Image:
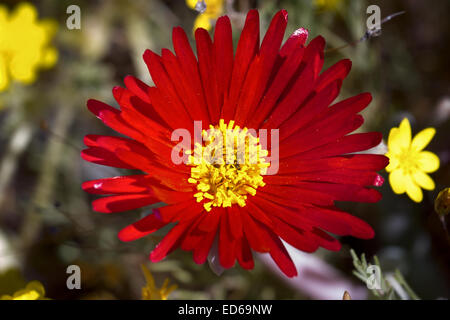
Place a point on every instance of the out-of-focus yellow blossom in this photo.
(327, 4)
(214, 8)
(24, 44)
(408, 163)
(151, 292)
(33, 291)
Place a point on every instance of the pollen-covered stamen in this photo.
(228, 166)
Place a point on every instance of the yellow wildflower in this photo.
(24, 44)
(327, 4)
(33, 291)
(409, 164)
(214, 8)
(151, 292)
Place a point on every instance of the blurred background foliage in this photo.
(46, 222)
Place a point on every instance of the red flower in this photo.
(267, 86)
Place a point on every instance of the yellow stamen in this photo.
(228, 167)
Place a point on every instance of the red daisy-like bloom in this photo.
(261, 86)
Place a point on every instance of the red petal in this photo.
(363, 162)
(208, 72)
(281, 257)
(337, 71)
(138, 87)
(118, 185)
(254, 233)
(169, 243)
(294, 237)
(194, 235)
(294, 95)
(122, 202)
(244, 254)
(261, 68)
(182, 212)
(247, 48)
(142, 116)
(165, 98)
(295, 40)
(111, 118)
(141, 228)
(201, 252)
(347, 144)
(318, 103)
(299, 222)
(104, 157)
(314, 54)
(285, 73)
(319, 135)
(227, 244)
(345, 176)
(293, 196)
(235, 221)
(188, 63)
(338, 222)
(209, 224)
(259, 214)
(342, 192)
(223, 54)
(326, 241)
(170, 196)
(283, 213)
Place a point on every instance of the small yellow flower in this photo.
(151, 292)
(33, 291)
(214, 8)
(24, 45)
(408, 163)
(327, 4)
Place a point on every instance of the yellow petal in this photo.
(169, 290)
(423, 138)
(50, 57)
(423, 180)
(203, 21)
(25, 12)
(3, 14)
(392, 139)
(393, 162)
(428, 161)
(33, 291)
(4, 78)
(191, 3)
(414, 192)
(214, 8)
(404, 134)
(36, 286)
(22, 67)
(148, 277)
(398, 181)
(50, 27)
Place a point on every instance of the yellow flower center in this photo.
(228, 166)
(408, 160)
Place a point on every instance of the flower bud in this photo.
(442, 202)
(346, 296)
